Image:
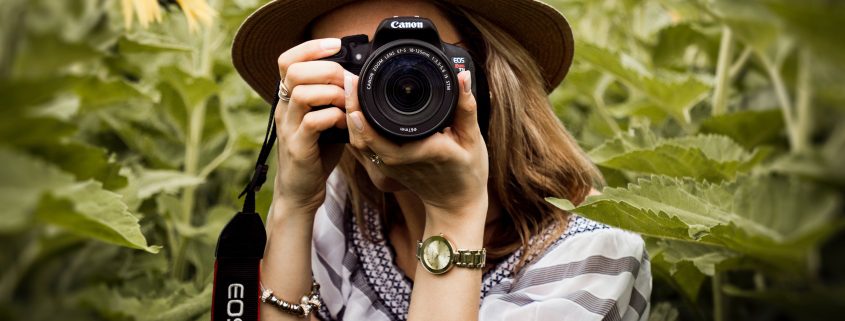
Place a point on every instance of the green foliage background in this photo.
(718, 125)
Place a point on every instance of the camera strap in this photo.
(240, 247)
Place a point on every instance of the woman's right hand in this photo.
(304, 165)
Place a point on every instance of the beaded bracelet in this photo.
(307, 303)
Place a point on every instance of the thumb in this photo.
(466, 115)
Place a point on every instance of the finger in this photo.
(314, 123)
(303, 98)
(314, 72)
(466, 115)
(361, 134)
(356, 125)
(306, 51)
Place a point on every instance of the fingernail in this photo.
(468, 83)
(347, 84)
(330, 44)
(357, 121)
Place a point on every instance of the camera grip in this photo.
(332, 135)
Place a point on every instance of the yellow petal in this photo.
(126, 5)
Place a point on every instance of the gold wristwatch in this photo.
(437, 255)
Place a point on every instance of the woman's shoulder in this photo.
(590, 272)
(585, 238)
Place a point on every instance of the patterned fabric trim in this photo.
(394, 288)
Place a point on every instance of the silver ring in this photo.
(284, 93)
(376, 159)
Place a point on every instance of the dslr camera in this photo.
(408, 87)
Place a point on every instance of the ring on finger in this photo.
(284, 93)
(375, 158)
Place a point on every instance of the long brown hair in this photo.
(532, 156)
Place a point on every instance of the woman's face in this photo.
(363, 18)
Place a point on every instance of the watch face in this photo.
(436, 254)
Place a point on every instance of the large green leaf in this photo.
(749, 128)
(89, 210)
(193, 89)
(676, 93)
(151, 182)
(708, 157)
(146, 42)
(706, 258)
(169, 301)
(674, 42)
(84, 162)
(23, 181)
(777, 219)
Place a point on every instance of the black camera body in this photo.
(408, 87)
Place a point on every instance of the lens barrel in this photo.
(407, 89)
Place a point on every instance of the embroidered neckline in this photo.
(393, 287)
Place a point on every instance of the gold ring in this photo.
(284, 93)
(376, 159)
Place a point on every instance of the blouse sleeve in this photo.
(327, 250)
(598, 275)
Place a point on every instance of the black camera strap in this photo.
(240, 247)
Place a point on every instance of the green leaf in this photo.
(750, 21)
(673, 43)
(84, 162)
(777, 219)
(151, 182)
(707, 157)
(675, 93)
(749, 128)
(96, 92)
(815, 23)
(663, 311)
(706, 258)
(23, 181)
(87, 209)
(171, 302)
(683, 276)
(146, 42)
(192, 89)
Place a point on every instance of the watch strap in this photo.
(471, 259)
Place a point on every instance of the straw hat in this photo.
(282, 24)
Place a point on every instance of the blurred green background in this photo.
(718, 125)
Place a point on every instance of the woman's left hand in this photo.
(448, 170)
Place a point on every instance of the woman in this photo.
(352, 215)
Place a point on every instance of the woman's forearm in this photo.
(454, 295)
(286, 268)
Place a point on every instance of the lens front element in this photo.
(407, 89)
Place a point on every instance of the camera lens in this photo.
(408, 91)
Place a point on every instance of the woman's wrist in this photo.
(463, 224)
(285, 212)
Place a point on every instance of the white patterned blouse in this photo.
(591, 272)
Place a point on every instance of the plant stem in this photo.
(14, 274)
(720, 93)
(803, 121)
(202, 67)
(740, 62)
(601, 107)
(718, 297)
(14, 19)
(783, 97)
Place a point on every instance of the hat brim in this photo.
(282, 24)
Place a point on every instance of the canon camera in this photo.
(408, 86)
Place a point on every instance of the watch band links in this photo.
(472, 259)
